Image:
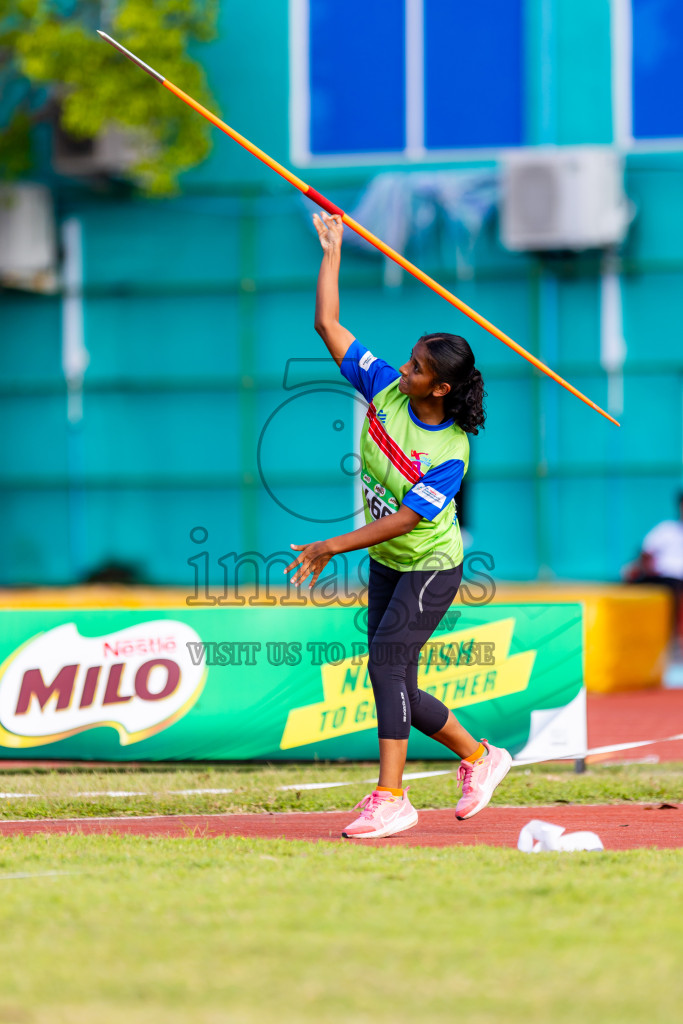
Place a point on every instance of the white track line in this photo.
(301, 786)
(38, 874)
(611, 748)
(366, 782)
(629, 746)
(426, 775)
(321, 785)
(120, 792)
(108, 818)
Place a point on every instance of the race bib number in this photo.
(378, 500)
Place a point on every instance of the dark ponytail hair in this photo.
(452, 361)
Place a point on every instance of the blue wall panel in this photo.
(654, 431)
(193, 307)
(655, 190)
(154, 436)
(171, 338)
(580, 534)
(284, 225)
(162, 243)
(657, 68)
(506, 444)
(575, 81)
(578, 314)
(298, 341)
(503, 303)
(33, 431)
(34, 525)
(651, 320)
(474, 78)
(30, 349)
(504, 526)
(582, 437)
(150, 529)
(357, 89)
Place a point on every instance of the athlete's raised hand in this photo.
(313, 559)
(330, 230)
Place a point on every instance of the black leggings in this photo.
(404, 609)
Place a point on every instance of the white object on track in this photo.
(542, 836)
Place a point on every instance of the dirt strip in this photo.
(620, 826)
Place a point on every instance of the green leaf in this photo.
(54, 46)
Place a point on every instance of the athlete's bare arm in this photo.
(314, 557)
(386, 528)
(330, 229)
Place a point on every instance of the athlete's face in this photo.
(417, 377)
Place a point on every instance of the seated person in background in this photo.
(661, 561)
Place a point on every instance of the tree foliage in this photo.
(51, 55)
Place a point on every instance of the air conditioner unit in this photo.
(113, 151)
(28, 242)
(569, 197)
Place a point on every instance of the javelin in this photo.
(332, 208)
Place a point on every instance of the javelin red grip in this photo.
(313, 194)
(332, 208)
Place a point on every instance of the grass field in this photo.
(80, 792)
(131, 930)
(139, 930)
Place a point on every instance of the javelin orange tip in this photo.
(332, 208)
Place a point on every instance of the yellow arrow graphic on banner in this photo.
(460, 668)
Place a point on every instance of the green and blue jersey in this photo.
(405, 461)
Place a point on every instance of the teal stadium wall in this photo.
(194, 305)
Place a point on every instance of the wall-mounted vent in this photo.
(112, 152)
(28, 245)
(563, 198)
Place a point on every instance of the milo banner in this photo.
(276, 683)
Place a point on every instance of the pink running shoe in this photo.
(382, 814)
(480, 779)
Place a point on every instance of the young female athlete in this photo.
(414, 452)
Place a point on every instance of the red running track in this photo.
(612, 719)
(620, 827)
(639, 715)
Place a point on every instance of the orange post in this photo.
(331, 207)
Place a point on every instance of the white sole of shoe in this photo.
(498, 776)
(389, 830)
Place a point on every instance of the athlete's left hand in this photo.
(313, 559)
